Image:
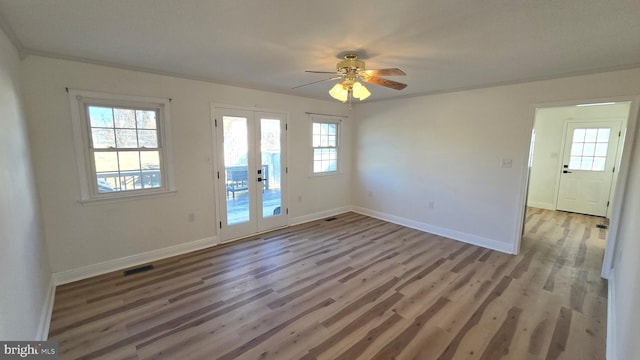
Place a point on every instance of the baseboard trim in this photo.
(438, 230)
(319, 215)
(46, 312)
(68, 276)
(612, 350)
(541, 205)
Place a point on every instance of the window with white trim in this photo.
(325, 142)
(122, 145)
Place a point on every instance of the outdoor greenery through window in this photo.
(325, 147)
(122, 145)
(125, 148)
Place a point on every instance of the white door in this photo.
(588, 163)
(251, 171)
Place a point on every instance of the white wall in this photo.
(24, 263)
(547, 156)
(84, 235)
(548, 152)
(447, 149)
(624, 284)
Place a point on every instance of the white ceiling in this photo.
(442, 45)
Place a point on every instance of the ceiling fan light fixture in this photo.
(339, 92)
(360, 91)
(352, 69)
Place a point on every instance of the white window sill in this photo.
(322, 174)
(127, 197)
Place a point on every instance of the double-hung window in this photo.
(122, 145)
(325, 142)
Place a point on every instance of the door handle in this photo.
(567, 171)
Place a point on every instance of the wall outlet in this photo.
(432, 204)
(506, 163)
(191, 217)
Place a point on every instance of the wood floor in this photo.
(351, 288)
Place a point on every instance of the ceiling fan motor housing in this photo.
(350, 64)
(350, 70)
(350, 67)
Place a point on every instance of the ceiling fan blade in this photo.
(320, 72)
(384, 72)
(319, 81)
(384, 82)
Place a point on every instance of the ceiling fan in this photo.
(349, 71)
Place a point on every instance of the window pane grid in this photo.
(325, 142)
(589, 149)
(125, 148)
(127, 170)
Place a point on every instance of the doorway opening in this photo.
(577, 153)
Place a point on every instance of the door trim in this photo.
(621, 182)
(621, 186)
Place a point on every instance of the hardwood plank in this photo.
(353, 288)
(365, 299)
(475, 319)
(501, 341)
(283, 300)
(377, 310)
(421, 274)
(400, 342)
(233, 354)
(560, 334)
(361, 346)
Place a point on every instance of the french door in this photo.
(251, 171)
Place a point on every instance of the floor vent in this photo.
(331, 218)
(602, 226)
(138, 270)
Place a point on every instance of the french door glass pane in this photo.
(236, 152)
(271, 169)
